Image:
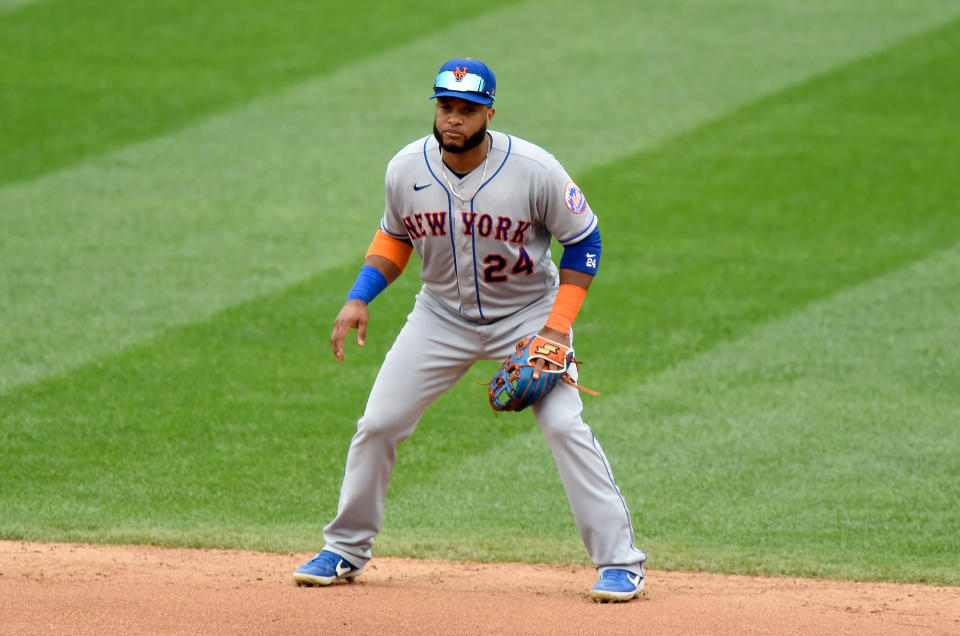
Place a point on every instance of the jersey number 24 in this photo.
(496, 264)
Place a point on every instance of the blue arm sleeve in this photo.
(583, 256)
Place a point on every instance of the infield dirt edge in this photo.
(97, 589)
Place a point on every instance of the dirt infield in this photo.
(82, 589)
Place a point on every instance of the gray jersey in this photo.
(486, 257)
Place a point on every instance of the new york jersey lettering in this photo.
(518, 233)
(484, 227)
(411, 228)
(503, 227)
(436, 221)
(468, 219)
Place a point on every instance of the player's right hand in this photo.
(353, 315)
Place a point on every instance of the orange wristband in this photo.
(566, 307)
(394, 250)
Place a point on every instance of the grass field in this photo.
(187, 191)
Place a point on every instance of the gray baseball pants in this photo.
(432, 353)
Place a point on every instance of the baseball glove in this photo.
(513, 388)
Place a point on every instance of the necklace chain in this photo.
(483, 177)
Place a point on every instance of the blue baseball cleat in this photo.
(617, 585)
(324, 569)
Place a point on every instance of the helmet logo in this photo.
(460, 73)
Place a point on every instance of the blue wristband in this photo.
(370, 282)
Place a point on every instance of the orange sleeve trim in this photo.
(566, 306)
(392, 249)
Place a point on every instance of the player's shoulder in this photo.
(526, 152)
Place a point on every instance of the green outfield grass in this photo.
(773, 330)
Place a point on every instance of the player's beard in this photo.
(471, 142)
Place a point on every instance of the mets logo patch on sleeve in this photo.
(574, 198)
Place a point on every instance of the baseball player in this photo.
(480, 207)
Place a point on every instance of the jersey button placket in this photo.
(465, 255)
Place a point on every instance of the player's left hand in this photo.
(556, 336)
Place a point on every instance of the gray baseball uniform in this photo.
(488, 281)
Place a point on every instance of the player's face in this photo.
(460, 125)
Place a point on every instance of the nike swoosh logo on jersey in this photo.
(635, 579)
(421, 187)
(342, 570)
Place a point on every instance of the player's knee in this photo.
(559, 413)
(384, 426)
(559, 426)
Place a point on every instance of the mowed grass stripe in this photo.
(167, 231)
(232, 431)
(83, 78)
